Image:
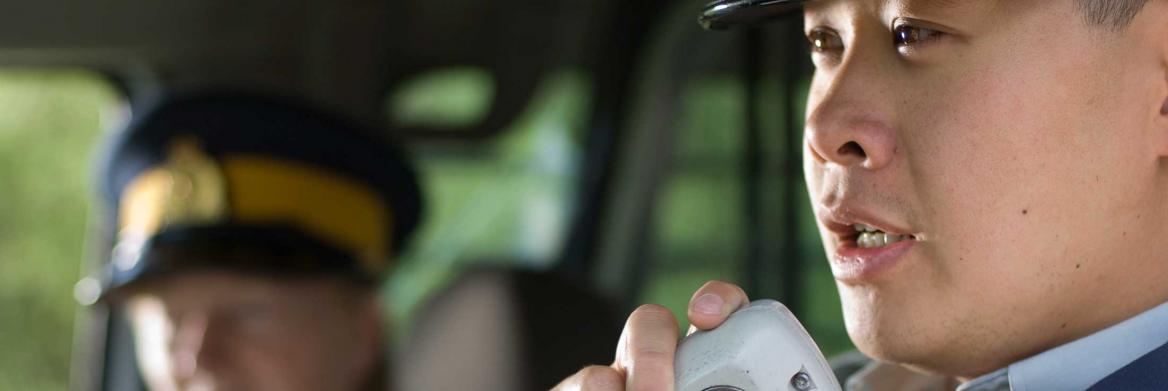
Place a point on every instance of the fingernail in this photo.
(709, 304)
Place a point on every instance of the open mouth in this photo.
(869, 237)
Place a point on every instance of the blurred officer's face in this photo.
(1018, 148)
(224, 331)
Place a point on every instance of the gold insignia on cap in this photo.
(188, 189)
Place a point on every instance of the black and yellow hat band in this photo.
(191, 189)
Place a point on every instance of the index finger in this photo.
(646, 349)
(713, 303)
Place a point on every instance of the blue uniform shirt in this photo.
(1079, 364)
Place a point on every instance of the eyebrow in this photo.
(944, 3)
(947, 5)
(988, 4)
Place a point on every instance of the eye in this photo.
(905, 35)
(825, 41)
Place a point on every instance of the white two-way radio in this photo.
(761, 347)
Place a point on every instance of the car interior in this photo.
(578, 158)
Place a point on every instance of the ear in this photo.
(1161, 121)
(1159, 11)
(1164, 108)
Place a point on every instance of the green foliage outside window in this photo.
(50, 122)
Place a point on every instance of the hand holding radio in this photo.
(751, 350)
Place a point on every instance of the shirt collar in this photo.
(1083, 362)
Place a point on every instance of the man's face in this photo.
(1015, 147)
(225, 331)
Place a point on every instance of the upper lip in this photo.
(842, 220)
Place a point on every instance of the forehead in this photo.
(967, 17)
(901, 6)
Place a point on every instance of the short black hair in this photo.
(1113, 14)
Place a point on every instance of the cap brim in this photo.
(264, 250)
(724, 14)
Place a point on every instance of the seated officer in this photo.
(252, 234)
(1008, 164)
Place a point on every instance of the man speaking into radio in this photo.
(991, 186)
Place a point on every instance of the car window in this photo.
(50, 121)
(505, 201)
(701, 230)
(712, 211)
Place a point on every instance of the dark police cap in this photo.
(254, 183)
(724, 14)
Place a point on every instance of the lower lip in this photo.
(852, 264)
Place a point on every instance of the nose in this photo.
(850, 118)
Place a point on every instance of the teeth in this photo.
(864, 228)
(877, 239)
(871, 237)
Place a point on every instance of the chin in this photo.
(914, 334)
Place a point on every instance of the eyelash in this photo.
(825, 41)
(906, 37)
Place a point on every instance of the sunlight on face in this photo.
(1010, 146)
(223, 331)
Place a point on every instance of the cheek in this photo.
(283, 360)
(318, 352)
(973, 161)
(1013, 165)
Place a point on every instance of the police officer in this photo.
(988, 178)
(251, 236)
